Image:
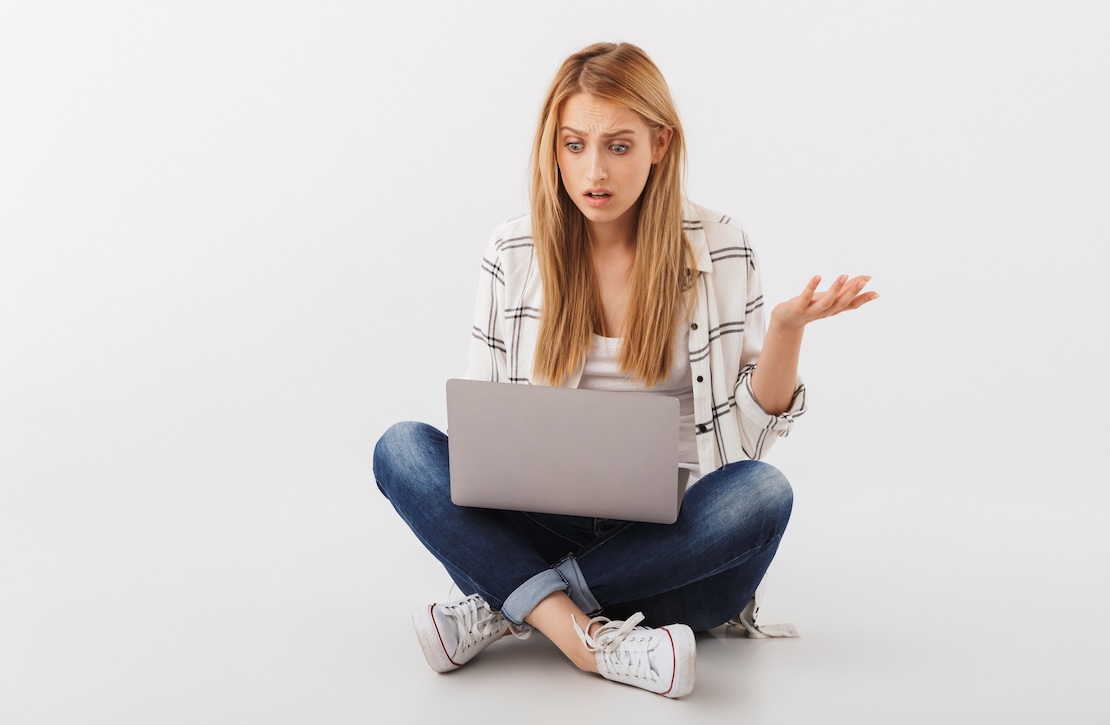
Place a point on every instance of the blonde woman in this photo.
(616, 282)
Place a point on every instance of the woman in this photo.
(615, 282)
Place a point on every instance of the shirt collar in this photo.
(694, 227)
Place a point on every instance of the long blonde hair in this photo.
(623, 74)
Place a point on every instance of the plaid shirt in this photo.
(726, 332)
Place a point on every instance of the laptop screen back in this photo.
(564, 451)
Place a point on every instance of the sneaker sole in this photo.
(427, 633)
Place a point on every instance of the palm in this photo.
(810, 305)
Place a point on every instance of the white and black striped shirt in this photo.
(726, 332)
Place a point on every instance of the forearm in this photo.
(776, 372)
(775, 377)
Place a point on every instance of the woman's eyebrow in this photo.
(609, 134)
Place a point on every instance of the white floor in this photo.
(293, 607)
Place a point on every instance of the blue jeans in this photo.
(700, 570)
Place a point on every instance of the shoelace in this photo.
(621, 645)
(476, 621)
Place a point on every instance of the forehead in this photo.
(584, 112)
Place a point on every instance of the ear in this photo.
(662, 142)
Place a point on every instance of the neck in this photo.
(615, 237)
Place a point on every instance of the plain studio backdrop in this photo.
(240, 239)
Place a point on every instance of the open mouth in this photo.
(597, 194)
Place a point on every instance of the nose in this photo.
(596, 171)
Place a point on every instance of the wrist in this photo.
(780, 326)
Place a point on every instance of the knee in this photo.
(757, 492)
(397, 439)
(771, 488)
(402, 450)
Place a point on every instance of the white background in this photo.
(239, 239)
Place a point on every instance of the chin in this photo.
(601, 216)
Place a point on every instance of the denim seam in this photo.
(736, 561)
(721, 569)
(550, 530)
(731, 563)
(598, 544)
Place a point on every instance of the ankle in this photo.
(582, 656)
(584, 660)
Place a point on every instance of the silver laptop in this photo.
(564, 451)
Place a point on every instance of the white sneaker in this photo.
(660, 660)
(454, 633)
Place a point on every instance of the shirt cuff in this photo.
(753, 412)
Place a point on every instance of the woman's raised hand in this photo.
(810, 305)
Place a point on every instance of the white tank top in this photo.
(601, 373)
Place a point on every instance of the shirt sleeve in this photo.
(759, 429)
(487, 359)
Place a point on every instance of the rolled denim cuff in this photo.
(524, 598)
(579, 593)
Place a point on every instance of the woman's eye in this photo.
(618, 148)
(574, 146)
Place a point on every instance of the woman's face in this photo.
(605, 152)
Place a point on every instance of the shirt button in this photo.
(694, 326)
(701, 429)
(700, 379)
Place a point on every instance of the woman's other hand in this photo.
(810, 305)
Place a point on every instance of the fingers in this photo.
(861, 300)
(853, 287)
(839, 290)
(846, 294)
(810, 290)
